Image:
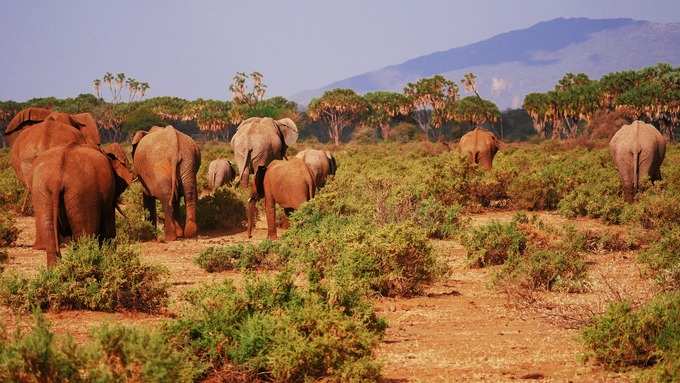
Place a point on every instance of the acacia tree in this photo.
(111, 114)
(338, 108)
(383, 107)
(430, 100)
(476, 111)
(244, 97)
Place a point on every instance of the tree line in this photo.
(651, 94)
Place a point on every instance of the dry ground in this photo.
(462, 330)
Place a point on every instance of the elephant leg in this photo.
(25, 204)
(270, 209)
(169, 225)
(108, 225)
(252, 212)
(285, 223)
(177, 220)
(46, 225)
(150, 207)
(190, 201)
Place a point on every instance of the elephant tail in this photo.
(636, 170)
(245, 172)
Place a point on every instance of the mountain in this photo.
(513, 64)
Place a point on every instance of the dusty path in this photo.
(463, 330)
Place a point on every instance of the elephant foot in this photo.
(179, 232)
(52, 259)
(190, 230)
(272, 236)
(169, 237)
(38, 245)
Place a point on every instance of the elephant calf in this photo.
(288, 183)
(480, 146)
(638, 150)
(321, 163)
(220, 172)
(75, 189)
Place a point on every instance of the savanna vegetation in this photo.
(303, 308)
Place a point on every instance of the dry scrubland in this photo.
(410, 265)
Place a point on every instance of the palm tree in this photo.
(96, 84)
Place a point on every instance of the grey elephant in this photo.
(480, 146)
(166, 162)
(220, 172)
(321, 163)
(638, 150)
(260, 140)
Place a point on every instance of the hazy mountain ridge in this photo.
(512, 64)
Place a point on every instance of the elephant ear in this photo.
(288, 129)
(124, 176)
(117, 151)
(135, 141)
(26, 117)
(259, 181)
(88, 126)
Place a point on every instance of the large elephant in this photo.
(480, 146)
(166, 162)
(321, 163)
(638, 150)
(35, 130)
(75, 192)
(220, 172)
(259, 141)
(289, 183)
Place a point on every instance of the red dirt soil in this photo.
(462, 330)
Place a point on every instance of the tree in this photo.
(383, 107)
(338, 108)
(476, 111)
(469, 82)
(430, 98)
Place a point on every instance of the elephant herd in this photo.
(75, 183)
(638, 150)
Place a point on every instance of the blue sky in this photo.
(192, 49)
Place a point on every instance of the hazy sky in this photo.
(192, 49)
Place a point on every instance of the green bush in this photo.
(438, 220)
(662, 259)
(265, 254)
(493, 243)
(12, 191)
(546, 269)
(8, 230)
(115, 354)
(278, 331)
(135, 225)
(105, 278)
(626, 336)
(224, 209)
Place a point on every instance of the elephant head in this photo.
(288, 130)
(120, 166)
(84, 122)
(333, 166)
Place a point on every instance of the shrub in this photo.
(8, 230)
(222, 210)
(438, 220)
(662, 259)
(626, 336)
(241, 256)
(658, 210)
(135, 225)
(106, 278)
(278, 331)
(549, 269)
(493, 243)
(12, 191)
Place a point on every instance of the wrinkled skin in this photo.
(75, 191)
(220, 172)
(259, 141)
(321, 163)
(287, 183)
(166, 162)
(638, 150)
(35, 130)
(480, 146)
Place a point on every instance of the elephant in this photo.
(35, 130)
(638, 150)
(166, 162)
(76, 188)
(289, 183)
(480, 146)
(321, 163)
(258, 141)
(220, 172)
